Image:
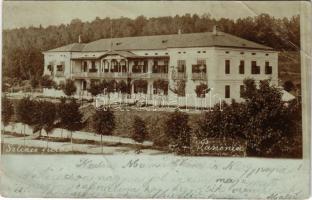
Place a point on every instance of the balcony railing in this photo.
(109, 75)
(179, 76)
(199, 76)
(140, 75)
(160, 68)
(159, 75)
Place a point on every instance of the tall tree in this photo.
(69, 88)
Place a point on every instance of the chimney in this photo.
(79, 39)
(215, 30)
(179, 32)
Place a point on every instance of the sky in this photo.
(18, 14)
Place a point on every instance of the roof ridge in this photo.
(149, 42)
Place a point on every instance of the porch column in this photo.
(150, 66)
(150, 89)
(132, 89)
(109, 65)
(98, 66)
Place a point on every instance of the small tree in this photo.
(49, 117)
(139, 130)
(44, 116)
(7, 111)
(111, 86)
(71, 118)
(69, 87)
(103, 122)
(95, 88)
(34, 82)
(161, 85)
(179, 88)
(61, 114)
(178, 131)
(201, 90)
(289, 86)
(47, 82)
(140, 86)
(122, 87)
(24, 111)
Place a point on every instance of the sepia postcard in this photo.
(156, 99)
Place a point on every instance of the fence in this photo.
(191, 101)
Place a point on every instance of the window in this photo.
(146, 54)
(227, 67)
(145, 65)
(50, 67)
(268, 68)
(179, 52)
(181, 66)
(114, 66)
(105, 66)
(93, 67)
(227, 52)
(227, 91)
(136, 69)
(254, 68)
(200, 67)
(242, 53)
(242, 67)
(241, 90)
(135, 63)
(122, 66)
(156, 53)
(60, 67)
(204, 51)
(267, 54)
(253, 53)
(84, 66)
(198, 51)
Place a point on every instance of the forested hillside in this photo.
(22, 47)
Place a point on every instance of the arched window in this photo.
(114, 66)
(123, 66)
(105, 67)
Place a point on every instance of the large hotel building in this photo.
(219, 60)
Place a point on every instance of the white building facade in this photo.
(219, 60)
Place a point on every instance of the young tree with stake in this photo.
(103, 122)
(71, 118)
(139, 130)
(24, 112)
